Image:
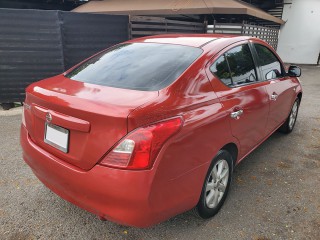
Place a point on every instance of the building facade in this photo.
(299, 40)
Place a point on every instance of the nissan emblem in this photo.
(48, 117)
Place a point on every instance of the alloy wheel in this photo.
(217, 183)
(293, 115)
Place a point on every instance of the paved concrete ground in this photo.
(275, 193)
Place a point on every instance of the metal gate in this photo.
(140, 26)
(268, 34)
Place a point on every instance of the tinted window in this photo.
(221, 70)
(270, 65)
(141, 66)
(241, 65)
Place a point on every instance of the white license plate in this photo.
(56, 136)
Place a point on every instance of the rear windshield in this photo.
(140, 66)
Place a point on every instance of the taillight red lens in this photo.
(139, 149)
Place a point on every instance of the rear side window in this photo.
(241, 65)
(269, 63)
(221, 70)
(235, 67)
(140, 66)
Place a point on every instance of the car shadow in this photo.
(186, 222)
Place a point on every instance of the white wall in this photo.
(299, 40)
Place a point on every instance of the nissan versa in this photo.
(153, 127)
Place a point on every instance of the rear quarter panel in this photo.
(183, 162)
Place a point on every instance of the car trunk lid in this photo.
(94, 116)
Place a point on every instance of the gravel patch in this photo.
(274, 195)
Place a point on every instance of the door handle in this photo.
(236, 114)
(274, 96)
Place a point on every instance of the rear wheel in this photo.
(7, 106)
(288, 125)
(216, 185)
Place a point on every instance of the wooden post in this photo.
(205, 24)
(129, 28)
(242, 28)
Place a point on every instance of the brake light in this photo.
(139, 149)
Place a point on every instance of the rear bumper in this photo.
(117, 195)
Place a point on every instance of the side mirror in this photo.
(294, 71)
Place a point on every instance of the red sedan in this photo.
(154, 127)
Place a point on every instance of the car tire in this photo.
(216, 185)
(7, 106)
(290, 122)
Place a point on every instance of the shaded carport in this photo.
(216, 16)
(178, 7)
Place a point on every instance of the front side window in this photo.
(269, 63)
(139, 66)
(241, 64)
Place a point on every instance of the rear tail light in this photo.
(139, 149)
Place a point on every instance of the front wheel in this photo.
(216, 185)
(288, 125)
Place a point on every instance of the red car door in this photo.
(234, 77)
(280, 88)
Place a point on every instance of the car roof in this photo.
(193, 40)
